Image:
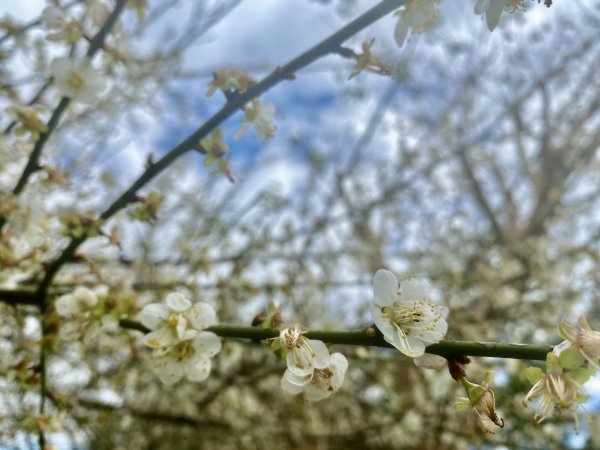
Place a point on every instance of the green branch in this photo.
(370, 337)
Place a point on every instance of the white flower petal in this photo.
(314, 394)
(429, 361)
(162, 337)
(199, 370)
(414, 289)
(381, 322)
(493, 13)
(400, 32)
(153, 315)
(385, 286)
(177, 302)
(202, 315)
(320, 353)
(298, 364)
(289, 387)
(169, 372)
(208, 343)
(295, 379)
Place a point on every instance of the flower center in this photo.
(404, 315)
(76, 80)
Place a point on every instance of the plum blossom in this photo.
(584, 342)
(303, 355)
(319, 384)
(406, 317)
(189, 358)
(417, 16)
(64, 29)
(78, 302)
(181, 346)
(260, 117)
(492, 10)
(76, 78)
(559, 389)
(53, 17)
(177, 321)
(481, 404)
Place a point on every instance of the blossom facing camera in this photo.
(182, 349)
(176, 321)
(560, 390)
(404, 314)
(76, 79)
(189, 359)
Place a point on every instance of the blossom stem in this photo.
(366, 337)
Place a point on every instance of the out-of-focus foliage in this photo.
(476, 166)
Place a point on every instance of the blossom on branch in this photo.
(481, 404)
(177, 321)
(559, 389)
(189, 358)
(76, 78)
(303, 355)
(182, 348)
(406, 317)
(584, 341)
(260, 117)
(319, 384)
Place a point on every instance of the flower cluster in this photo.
(86, 313)
(568, 367)
(404, 314)
(310, 367)
(181, 346)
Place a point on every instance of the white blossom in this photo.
(80, 301)
(559, 390)
(175, 322)
(182, 347)
(417, 16)
(53, 17)
(407, 318)
(98, 12)
(189, 359)
(303, 355)
(492, 10)
(319, 384)
(261, 117)
(76, 78)
(481, 406)
(583, 340)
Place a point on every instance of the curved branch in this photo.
(372, 338)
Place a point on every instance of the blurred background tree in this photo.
(474, 164)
